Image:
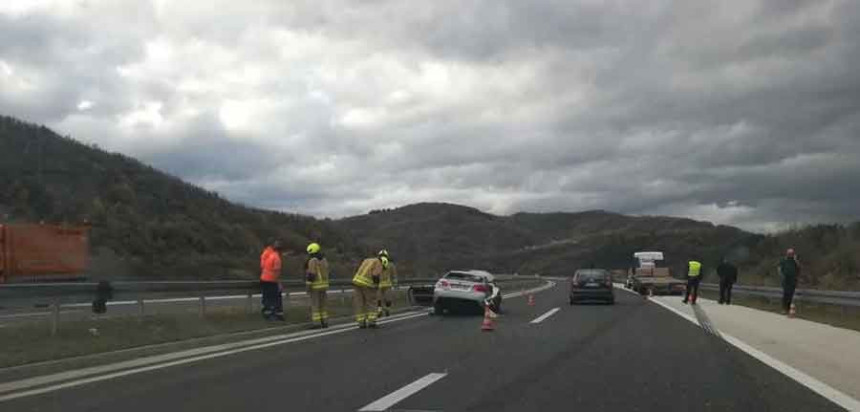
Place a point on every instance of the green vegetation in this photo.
(830, 255)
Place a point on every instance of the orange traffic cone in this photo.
(487, 325)
(792, 310)
(531, 300)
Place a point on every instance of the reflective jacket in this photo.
(388, 278)
(317, 269)
(695, 269)
(369, 268)
(270, 265)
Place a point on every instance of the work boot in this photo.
(372, 325)
(362, 325)
(387, 312)
(324, 324)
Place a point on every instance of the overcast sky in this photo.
(740, 112)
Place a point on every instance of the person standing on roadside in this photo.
(316, 279)
(270, 285)
(694, 276)
(728, 274)
(789, 271)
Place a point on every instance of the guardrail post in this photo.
(55, 317)
(202, 306)
(140, 310)
(343, 295)
(249, 304)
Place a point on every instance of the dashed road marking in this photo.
(546, 315)
(386, 402)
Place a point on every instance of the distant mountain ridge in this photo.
(438, 236)
(148, 224)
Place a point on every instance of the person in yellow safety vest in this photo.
(316, 279)
(387, 280)
(694, 276)
(364, 287)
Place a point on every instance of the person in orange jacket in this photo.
(270, 286)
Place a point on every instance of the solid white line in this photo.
(830, 393)
(834, 395)
(88, 371)
(677, 312)
(543, 317)
(387, 401)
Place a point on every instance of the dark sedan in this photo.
(591, 285)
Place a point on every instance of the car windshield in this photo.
(464, 276)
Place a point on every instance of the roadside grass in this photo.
(835, 315)
(31, 342)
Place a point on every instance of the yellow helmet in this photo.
(384, 261)
(313, 248)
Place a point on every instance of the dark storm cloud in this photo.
(741, 112)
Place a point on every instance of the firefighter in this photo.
(270, 286)
(387, 280)
(694, 276)
(316, 279)
(364, 288)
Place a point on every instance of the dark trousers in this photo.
(788, 294)
(273, 303)
(726, 291)
(692, 288)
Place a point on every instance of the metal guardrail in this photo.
(831, 297)
(43, 294)
(57, 295)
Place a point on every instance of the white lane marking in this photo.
(543, 317)
(548, 285)
(677, 312)
(821, 388)
(387, 401)
(89, 371)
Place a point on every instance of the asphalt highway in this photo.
(631, 356)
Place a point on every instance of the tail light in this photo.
(480, 288)
(444, 284)
(608, 282)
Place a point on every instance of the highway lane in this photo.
(631, 356)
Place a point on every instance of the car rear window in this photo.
(586, 276)
(464, 276)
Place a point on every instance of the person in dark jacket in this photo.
(789, 271)
(728, 274)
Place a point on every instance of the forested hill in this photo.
(437, 236)
(144, 222)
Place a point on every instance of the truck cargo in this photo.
(646, 277)
(42, 252)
